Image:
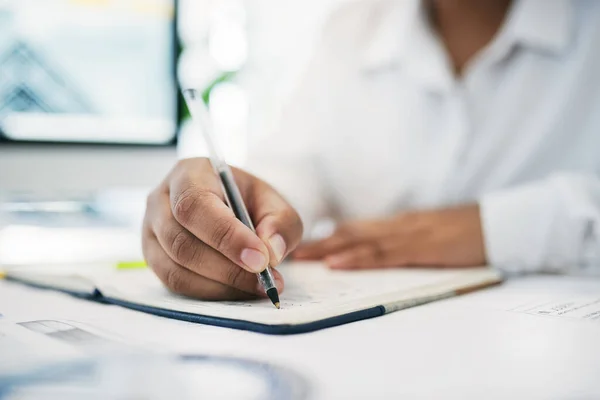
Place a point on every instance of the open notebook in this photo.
(315, 297)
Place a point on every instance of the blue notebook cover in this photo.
(284, 329)
(427, 286)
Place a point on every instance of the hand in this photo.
(443, 238)
(196, 245)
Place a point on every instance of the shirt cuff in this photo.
(516, 224)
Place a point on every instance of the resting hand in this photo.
(447, 238)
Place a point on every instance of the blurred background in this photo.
(250, 55)
(88, 88)
(91, 117)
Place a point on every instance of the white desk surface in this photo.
(481, 345)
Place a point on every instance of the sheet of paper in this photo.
(583, 308)
(24, 348)
(568, 298)
(312, 293)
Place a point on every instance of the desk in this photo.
(466, 347)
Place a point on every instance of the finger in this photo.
(386, 253)
(183, 281)
(188, 251)
(199, 207)
(347, 235)
(335, 243)
(278, 224)
(363, 256)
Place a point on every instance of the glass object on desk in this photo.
(66, 360)
(154, 377)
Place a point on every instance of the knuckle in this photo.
(222, 233)
(181, 165)
(188, 168)
(236, 276)
(184, 204)
(182, 247)
(173, 279)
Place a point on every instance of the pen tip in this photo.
(274, 297)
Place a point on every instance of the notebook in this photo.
(315, 297)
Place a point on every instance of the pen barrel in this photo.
(234, 200)
(231, 191)
(266, 279)
(233, 197)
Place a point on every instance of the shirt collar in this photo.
(401, 31)
(387, 44)
(542, 24)
(404, 39)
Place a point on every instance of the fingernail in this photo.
(278, 246)
(254, 260)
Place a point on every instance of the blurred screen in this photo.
(87, 71)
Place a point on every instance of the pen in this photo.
(231, 191)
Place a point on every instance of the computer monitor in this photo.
(88, 93)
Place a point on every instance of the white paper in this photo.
(312, 292)
(577, 307)
(23, 349)
(564, 297)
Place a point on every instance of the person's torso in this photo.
(402, 139)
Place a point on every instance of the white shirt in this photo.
(380, 125)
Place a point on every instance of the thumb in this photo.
(277, 223)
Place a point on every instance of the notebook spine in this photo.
(403, 304)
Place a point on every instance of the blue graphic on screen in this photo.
(87, 70)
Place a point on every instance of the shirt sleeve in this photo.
(552, 225)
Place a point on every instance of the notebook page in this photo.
(74, 278)
(312, 292)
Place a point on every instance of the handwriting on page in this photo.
(303, 292)
(580, 308)
(312, 292)
(308, 287)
